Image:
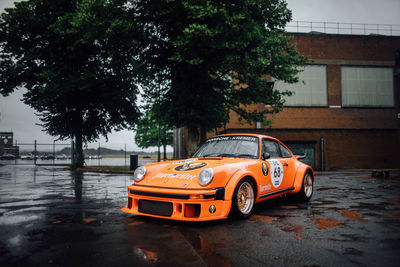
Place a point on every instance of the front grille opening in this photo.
(192, 210)
(155, 207)
(129, 202)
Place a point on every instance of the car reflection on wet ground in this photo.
(53, 217)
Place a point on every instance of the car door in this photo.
(288, 163)
(281, 165)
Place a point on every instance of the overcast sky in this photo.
(19, 118)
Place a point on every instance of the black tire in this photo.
(307, 188)
(243, 199)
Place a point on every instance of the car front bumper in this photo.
(178, 204)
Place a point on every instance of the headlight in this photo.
(206, 176)
(139, 173)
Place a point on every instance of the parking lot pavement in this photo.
(53, 217)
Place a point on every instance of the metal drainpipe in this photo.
(322, 153)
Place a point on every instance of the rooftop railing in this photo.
(343, 28)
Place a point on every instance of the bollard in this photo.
(134, 162)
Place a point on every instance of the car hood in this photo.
(183, 174)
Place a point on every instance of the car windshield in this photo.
(240, 146)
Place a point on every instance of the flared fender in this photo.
(234, 180)
(298, 179)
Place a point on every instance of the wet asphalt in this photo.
(53, 217)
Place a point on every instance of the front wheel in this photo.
(307, 188)
(243, 199)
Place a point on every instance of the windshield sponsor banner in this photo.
(233, 137)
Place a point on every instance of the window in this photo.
(367, 87)
(272, 148)
(311, 90)
(285, 152)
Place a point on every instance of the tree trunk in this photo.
(192, 140)
(165, 151)
(203, 135)
(79, 160)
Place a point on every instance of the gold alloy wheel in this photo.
(245, 198)
(308, 185)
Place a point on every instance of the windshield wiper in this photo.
(245, 156)
(229, 155)
(210, 155)
(218, 155)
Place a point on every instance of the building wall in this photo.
(354, 137)
(343, 148)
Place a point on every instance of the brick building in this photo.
(347, 114)
(6, 144)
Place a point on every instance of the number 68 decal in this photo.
(276, 172)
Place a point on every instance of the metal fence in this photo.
(343, 28)
(59, 154)
(56, 154)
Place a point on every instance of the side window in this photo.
(272, 148)
(285, 152)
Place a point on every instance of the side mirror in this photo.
(265, 155)
(301, 156)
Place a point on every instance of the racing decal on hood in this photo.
(184, 176)
(183, 161)
(190, 166)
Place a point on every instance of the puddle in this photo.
(15, 241)
(297, 229)
(266, 219)
(16, 219)
(325, 223)
(147, 255)
(289, 207)
(324, 202)
(208, 251)
(265, 233)
(353, 251)
(134, 223)
(293, 229)
(326, 188)
(89, 220)
(394, 201)
(354, 215)
(354, 238)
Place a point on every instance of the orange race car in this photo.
(227, 175)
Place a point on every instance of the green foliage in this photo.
(77, 60)
(152, 131)
(216, 55)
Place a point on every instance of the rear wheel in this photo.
(243, 199)
(307, 188)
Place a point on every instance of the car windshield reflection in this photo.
(238, 146)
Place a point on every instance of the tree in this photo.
(152, 131)
(218, 56)
(78, 61)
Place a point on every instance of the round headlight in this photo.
(139, 173)
(206, 176)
